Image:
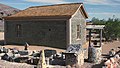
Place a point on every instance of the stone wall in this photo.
(75, 60)
(81, 58)
(41, 32)
(71, 59)
(78, 19)
(74, 56)
(94, 54)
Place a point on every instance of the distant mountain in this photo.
(6, 11)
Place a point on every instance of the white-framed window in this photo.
(78, 32)
(18, 30)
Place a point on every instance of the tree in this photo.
(112, 28)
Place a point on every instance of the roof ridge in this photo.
(55, 5)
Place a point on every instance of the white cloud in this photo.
(16, 3)
(102, 2)
(48, 1)
(104, 15)
(95, 1)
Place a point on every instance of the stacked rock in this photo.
(113, 62)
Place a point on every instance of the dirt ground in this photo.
(34, 47)
(110, 45)
(106, 47)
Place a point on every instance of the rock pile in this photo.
(113, 62)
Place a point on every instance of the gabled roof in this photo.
(51, 10)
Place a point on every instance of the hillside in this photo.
(6, 11)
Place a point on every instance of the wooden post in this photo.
(89, 37)
(100, 37)
(89, 48)
(43, 60)
(42, 63)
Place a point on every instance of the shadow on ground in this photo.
(105, 56)
(98, 65)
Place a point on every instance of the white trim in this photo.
(78, 39)
(76, 11)
(70, 35)
(70, 28)
(4, 31)
(80, 27)
(80, 11)
(67, 34)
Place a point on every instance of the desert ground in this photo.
(110, 45)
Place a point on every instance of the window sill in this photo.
(78, 39)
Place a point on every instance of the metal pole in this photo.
(100, 37)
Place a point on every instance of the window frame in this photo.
(18, 30)
(78, 33)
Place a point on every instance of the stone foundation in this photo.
(94, 54)
(75, 60)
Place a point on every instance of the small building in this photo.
(53, 25)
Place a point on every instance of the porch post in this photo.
(89, 37)
(100, 37)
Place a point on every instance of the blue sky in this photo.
(102, 9)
